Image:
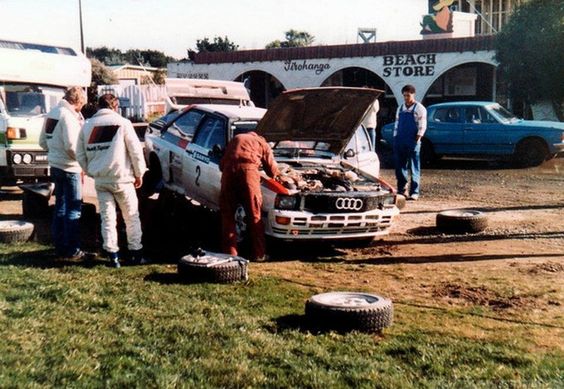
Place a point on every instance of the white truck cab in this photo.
(33, 78)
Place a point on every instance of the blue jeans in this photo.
(406, 158)
(66, 218)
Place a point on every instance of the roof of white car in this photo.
(234, 111)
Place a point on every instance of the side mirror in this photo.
(350, 153)
(216, 151)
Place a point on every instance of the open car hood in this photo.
(329, 115)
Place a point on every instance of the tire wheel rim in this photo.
(240, 223)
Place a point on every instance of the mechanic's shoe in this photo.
(114, 258)
(414, 197)
(264, 258)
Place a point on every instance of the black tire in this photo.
(530, 152)
(462, 221)
(226, 272)
(152, 178)
(348, 311)
(15, 231)
(428, 156)
(35, 206)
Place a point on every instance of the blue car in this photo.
(476, 128)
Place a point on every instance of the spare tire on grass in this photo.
(462, 221)
(348, 311)
(15, 231)
(212, 267)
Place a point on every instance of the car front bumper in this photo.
(302, 225)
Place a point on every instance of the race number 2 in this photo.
(198, 172)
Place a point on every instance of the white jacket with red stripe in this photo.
(60, 135)
(109, 150)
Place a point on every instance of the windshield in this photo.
(501, 113)
(28, 99)
(304, 149)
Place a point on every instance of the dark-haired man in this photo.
(110, 152)
(411, 123)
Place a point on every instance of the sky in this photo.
(173, 26)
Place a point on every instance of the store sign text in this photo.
(409, 65)
(293, 66)
(203, 76)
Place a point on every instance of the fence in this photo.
(137, 102)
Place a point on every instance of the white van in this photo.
(33, 78)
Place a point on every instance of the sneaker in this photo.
(78, 254)
(414, 197)
(114, 258)
(137, 258)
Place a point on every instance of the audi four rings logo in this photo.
(349, 203)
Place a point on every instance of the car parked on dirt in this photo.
(474, 128)
(330, 189)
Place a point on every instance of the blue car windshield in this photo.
(502, 114)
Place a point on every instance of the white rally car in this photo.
(330, 188)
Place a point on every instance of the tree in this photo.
(294, 38)
(152, 58)
(530, 52)
(101, 75)
(218, 44)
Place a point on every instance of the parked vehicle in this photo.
(473, 128)
(331, 187)
(33, 79)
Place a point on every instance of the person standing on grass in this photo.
(110, 152)
(411, 123)
(59, 137)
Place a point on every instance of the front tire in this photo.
(530, 152)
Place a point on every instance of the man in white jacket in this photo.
(110, 152)
(59, 137)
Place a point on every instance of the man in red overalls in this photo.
(240, 185)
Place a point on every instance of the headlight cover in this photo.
(286, 202)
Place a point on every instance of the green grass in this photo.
(68, 325)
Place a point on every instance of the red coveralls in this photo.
(240, 184)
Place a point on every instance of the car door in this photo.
(483, 134)
(364, 157)
(177, 136)
(445, 130)
(202, 178)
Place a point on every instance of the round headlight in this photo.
(285, 202)
(27, 158)
(17, 159)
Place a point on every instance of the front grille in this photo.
(342, 202)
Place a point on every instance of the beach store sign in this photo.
(409, 65)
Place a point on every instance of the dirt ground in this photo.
(514, 267)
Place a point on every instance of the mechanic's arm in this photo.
(421, 112)
(268, 162)
(81, 152)
(71, 129)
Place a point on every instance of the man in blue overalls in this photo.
(411, 123)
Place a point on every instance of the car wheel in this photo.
(462, 221)
(241, 224)
(213, 267)
(152, 178)
(428, 156)
(15, 231)
(530, 152)
(348, 311)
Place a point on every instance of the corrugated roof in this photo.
(478, 43)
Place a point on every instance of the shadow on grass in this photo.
(47, 259)
(174, 279)
(304, 324)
